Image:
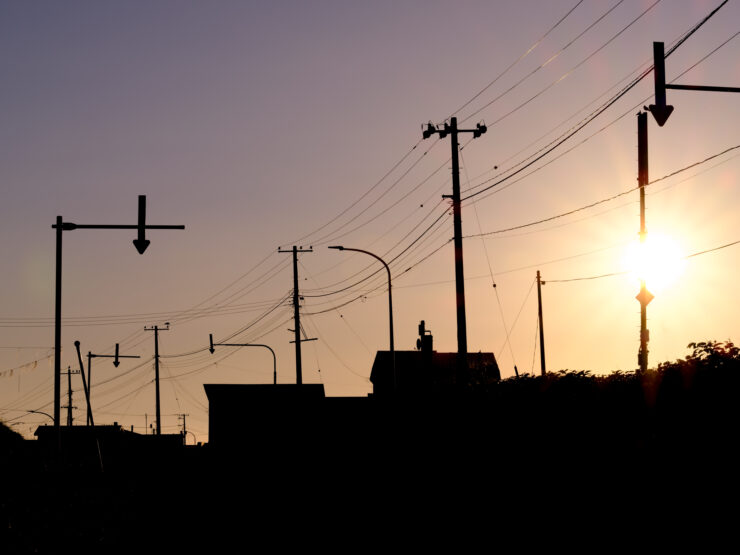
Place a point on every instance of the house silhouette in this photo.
(425, 372)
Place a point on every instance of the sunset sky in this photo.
(263, 125)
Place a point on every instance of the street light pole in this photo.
(274, 359)
(390, 303)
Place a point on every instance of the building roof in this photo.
(427, 372)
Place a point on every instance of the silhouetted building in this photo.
(243, 413)
(426, 372)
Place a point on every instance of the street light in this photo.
(274, 359)
(390, 303)
(40, 412)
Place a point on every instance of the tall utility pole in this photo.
(296, 312)
(452, 130)
(644, 296)
(156, 330)
(543, 370)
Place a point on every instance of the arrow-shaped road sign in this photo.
(141, 242)
(660, 110)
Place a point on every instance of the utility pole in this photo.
(644, 296)
(543, 370)
(452, 130)
(69, 406)
(156, 330)
(184, 428)
(296, 312)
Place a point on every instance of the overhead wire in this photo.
(519, 59)
(488, 261)
(544, 64)
(570, 71)
(612, 274)
(513, 325)
(563, 138)
(603, 200)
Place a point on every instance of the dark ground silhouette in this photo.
(653, 449)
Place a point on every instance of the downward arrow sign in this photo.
(660, 110)
(115, 360)
(141, 243)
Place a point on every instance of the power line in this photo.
(612, 274)
(519, 59)
(604, 200)
(563, 138)
(553, 58)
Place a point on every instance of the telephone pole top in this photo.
(452, 130)
(156, 330)
(296, 312)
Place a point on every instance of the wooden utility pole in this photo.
(296, 312)
(156, 330)
(452, 130)
(543, 370)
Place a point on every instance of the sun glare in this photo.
(659, 261)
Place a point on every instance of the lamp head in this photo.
(337, 247)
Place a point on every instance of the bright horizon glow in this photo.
(261, 125)
(659, 261)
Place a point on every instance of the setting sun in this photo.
(658, 261)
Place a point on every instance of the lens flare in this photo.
(658, 261)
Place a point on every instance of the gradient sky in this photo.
(260, 125)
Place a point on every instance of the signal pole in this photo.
(296, 312)
(543, 371)
(452, 130)
(156, 330)
(91, 356)
(644, 296)
(141, 244)
(661, 110)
